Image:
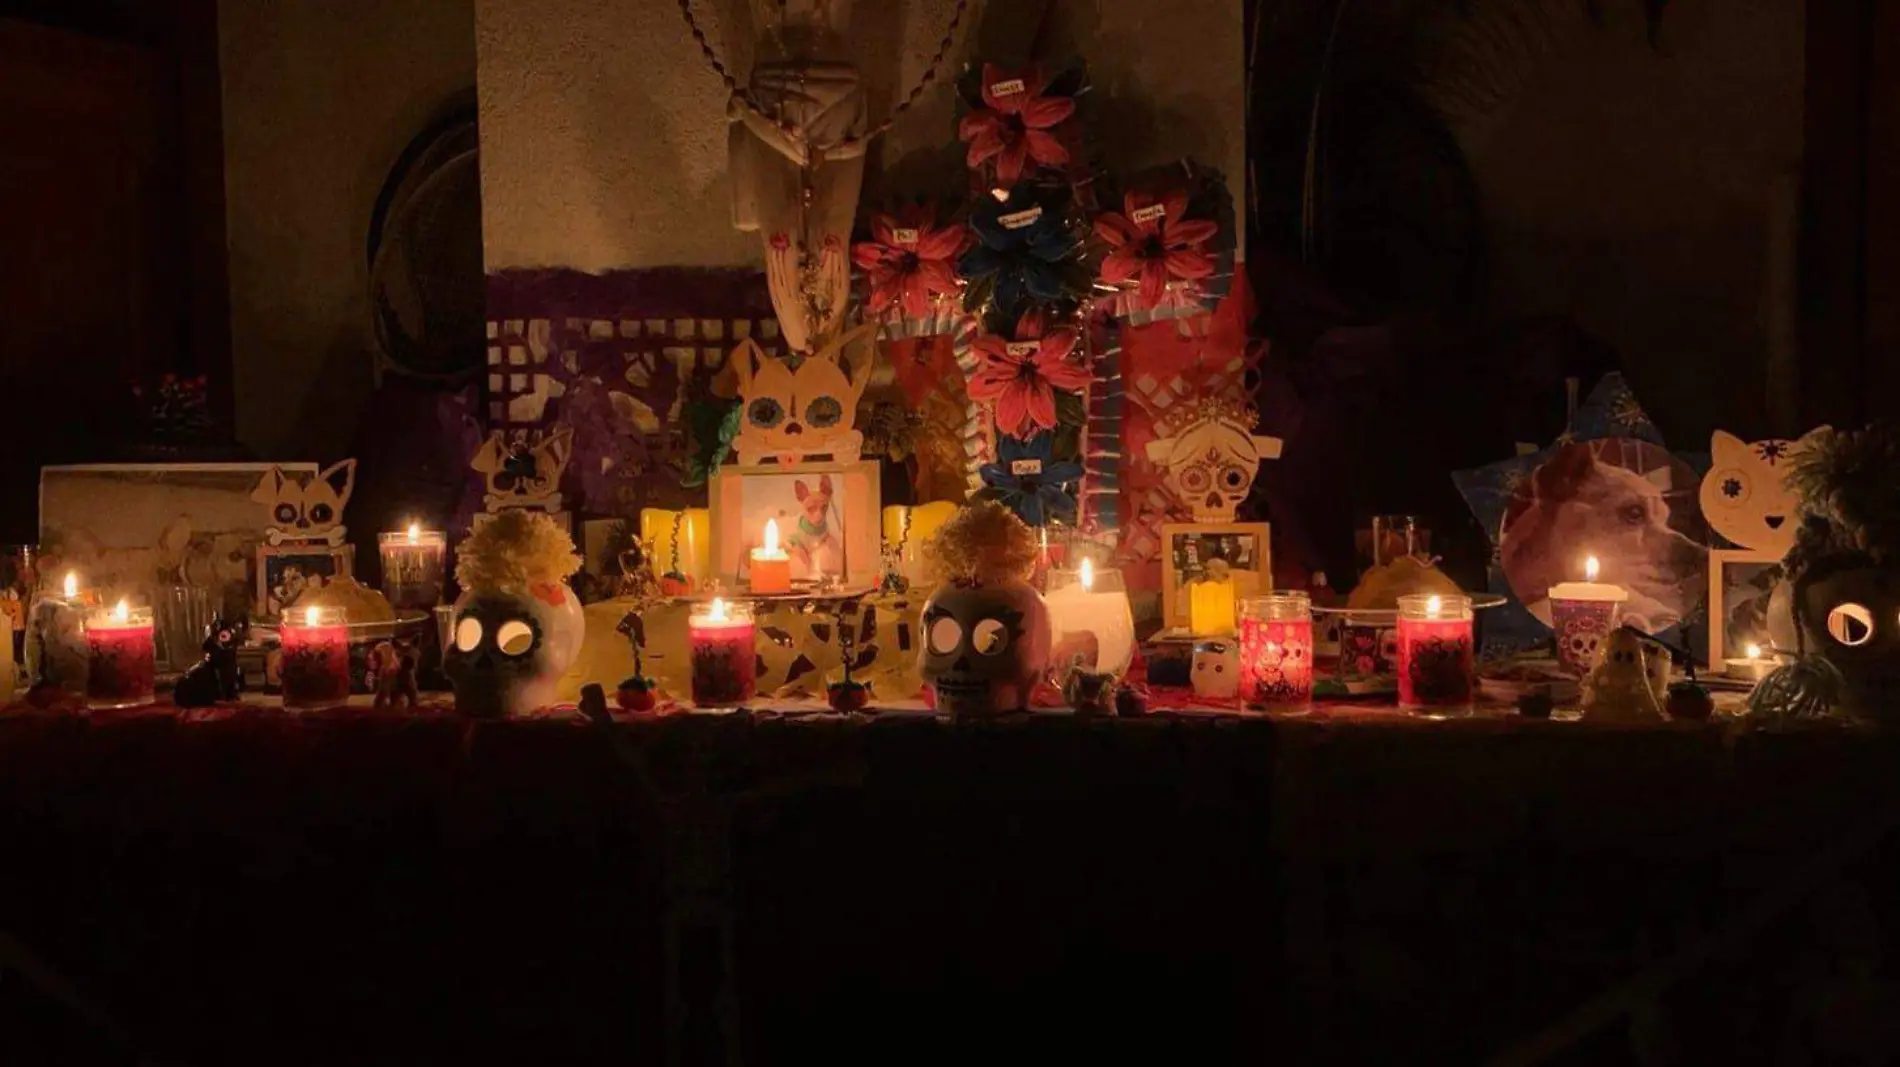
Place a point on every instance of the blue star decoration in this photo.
(1027, 479)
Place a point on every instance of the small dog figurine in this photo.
(394, 666)
(217, 677)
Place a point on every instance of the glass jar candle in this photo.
(725, 665)
(316, 664)
(1089, 609)
(56, 652)
(1276, 653)
(1435, 654)
(412, 566)
(121, 658)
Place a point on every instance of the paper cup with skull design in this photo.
(1581, 623)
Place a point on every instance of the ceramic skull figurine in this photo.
(1215, 674)
(1211, 456)
(985, 646)
(507, 651)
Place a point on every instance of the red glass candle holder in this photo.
(1436, 652)
(725, 665)
(316, 664)
(121, 658)
(1276, 653)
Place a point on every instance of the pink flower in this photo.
(1014, 126)
(911, 261)
(1020, 377)
(1163, 246)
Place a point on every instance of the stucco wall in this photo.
(603, 130)
(319, 100)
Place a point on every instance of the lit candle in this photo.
(1085, 602)
(725, 664)
(1211, 607)
(56, 650)
(771, 567)
(1583, 614)
(121, 658)
(316, 664)
(1276, 652)
(1435, 654)
(412, 566)
(679, 544)
(1752, 667)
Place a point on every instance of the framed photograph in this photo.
(286, 572)
(1189, 550)
(827, 516)
(1740, 582)
(136, 527)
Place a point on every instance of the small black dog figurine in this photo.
(217, 677)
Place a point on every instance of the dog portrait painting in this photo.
(826, 515)
(1628, 503)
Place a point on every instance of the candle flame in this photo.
(310, 616)
(415, 532)
(1088, 574)
(72, 584)
(1433, 605)
(1753, 650)
(122, 613)
(771, 537)
(718, 612)
(1590, 569)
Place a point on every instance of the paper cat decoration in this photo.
(524, 471)
(808, 410)
(1211, 455)
(306, 511)
(1745, 496)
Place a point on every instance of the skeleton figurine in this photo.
(797, 162)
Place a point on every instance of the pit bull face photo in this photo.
(1583, 503)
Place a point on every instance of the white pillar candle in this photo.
(1088, 601)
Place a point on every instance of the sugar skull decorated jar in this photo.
(517, 627)
(987, 633)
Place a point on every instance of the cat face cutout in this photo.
(1745, 495)
(809, 410)
(524, 473)
(308, 510)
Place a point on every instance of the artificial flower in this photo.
(1026, 479)
(1163, 246)
(1013, 127)
(1024, 251)
(1020, 377)
(910, 260)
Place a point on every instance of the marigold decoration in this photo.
(984, 544)
(1031, 482)
(1025, 252)
(1020, 377)
(910, 260)
(1153, 243)
(1014, 126)
(517, 549)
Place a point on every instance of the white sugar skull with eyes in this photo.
(1216, 671)
(507, 650)
(985, 647)
(1212, 455)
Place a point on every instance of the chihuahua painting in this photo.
(812, 543)
(306, 511)
(796, 412)
(1582, 506)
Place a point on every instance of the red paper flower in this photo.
(1154, 242)
(910, 259)
(1013, 126)
(1020, 377)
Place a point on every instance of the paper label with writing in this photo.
(1022, 348)
(1007, 87)
(1020, 467)
(1148, 214)
(904, 236)
(1016, 220)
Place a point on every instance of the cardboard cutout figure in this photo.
(1211, 456)
(306, 512)
(793, 412)
(1745, 496)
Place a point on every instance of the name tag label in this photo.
(1020, 467)
(1016, 220)
(1007, 87)
(1023, 348)
(1149, 213)
(904, 237)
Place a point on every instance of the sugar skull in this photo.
(508, 650)
(1211, 456)
(1215, 674)
(985, 647)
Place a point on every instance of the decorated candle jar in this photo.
(1276, 652)
(1436, 653)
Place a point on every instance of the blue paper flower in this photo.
(1025, 251)
(1026, 479)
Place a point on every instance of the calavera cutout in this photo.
(792, 412)
(507, 650)
(524, 470)
(985, 647)
(307, 511)
(1211, 456)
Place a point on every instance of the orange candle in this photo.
(771, 567)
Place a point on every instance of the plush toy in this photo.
(1621, 689)
(217, 677)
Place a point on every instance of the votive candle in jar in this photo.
(316, 663)
(1276, 652)
(1085, 601)
(412, 566)
(56, 652)
(725, 665)
(771, 570)
(121, 658)
(1435, 654)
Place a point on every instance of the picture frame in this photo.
(1740, 583)
(829, 517)
(284, 570)
(1186, 546)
